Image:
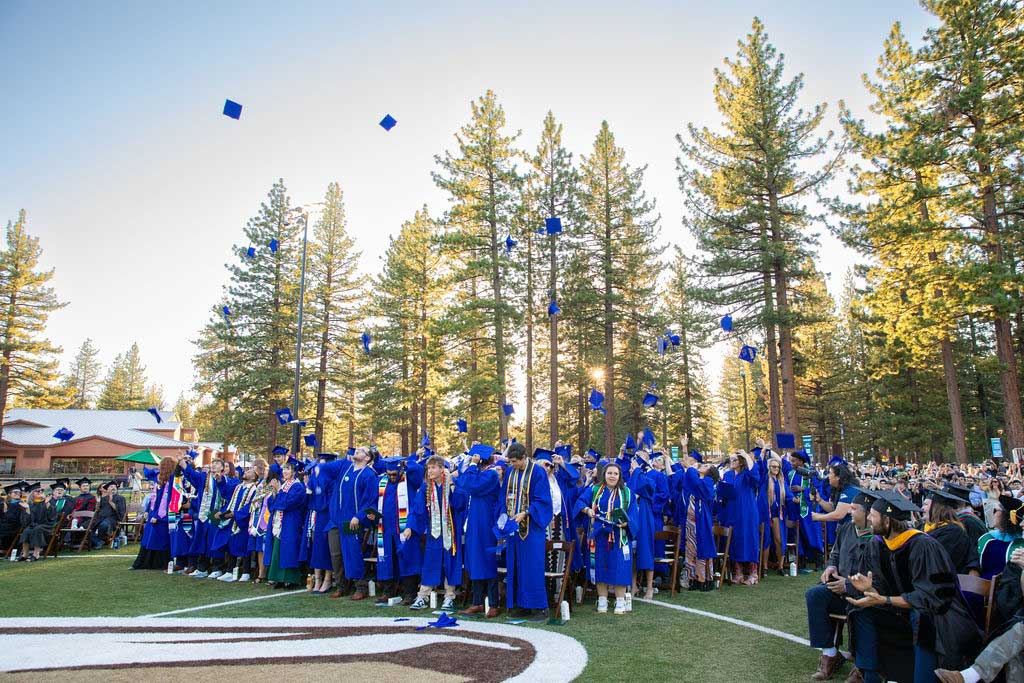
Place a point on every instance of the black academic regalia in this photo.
(10, 519)
(961, 551)
(38, 523)
(921, 572)
(1008, 602)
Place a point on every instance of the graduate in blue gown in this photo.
(437, 517)
(244, 498)
(642, 488)
(566, 477)
(526, 499)
(480, 483)
(699, 490)
(220, 524)
(287, 507)
(398, 561)
(155, 546)
(773, 504)
(802, 507)
(743, 550)
(356, 494)
(613, 511)
(204, 506)
(317, 519)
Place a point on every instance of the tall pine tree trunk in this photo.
(474, 399)
(321, 382)
(789, 410)
(772, 355)
(684, 347)
(609, 331)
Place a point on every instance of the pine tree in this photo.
(618, 237)
(114, 394)
(83, 376)
(135, 380)
(28, 363)
(482, 183)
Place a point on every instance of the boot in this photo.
(827, 667)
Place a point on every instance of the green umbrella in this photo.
(145, 457)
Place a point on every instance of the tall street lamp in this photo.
(303, 212)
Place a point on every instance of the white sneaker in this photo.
(226, 578)
(244, 577)
(620, 606)
(602, 605)
(215, 575)
(419, 603)
(199, 575)
(448, 605)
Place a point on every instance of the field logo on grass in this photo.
(288, 649)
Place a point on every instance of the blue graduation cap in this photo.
(748, 353)
(591, 453)
(310, 440)
(630, 443)
(296, 464)
(388, 122)
(695, 454)
(785, 441)
(662, 346)
(393, 463)
(232, 109)
(279, 450)
(650, 400)
(540, 231)
(597, 401)
(647, 440)
(565, 450)
(425, 441)
(674, 338)
(727, 323)
(461, 426)
(284, 415)
(836, 460)
(553, 225)
(192, 453)
(155, 413)
(274, 244)
(225, 310)
(482, 450)
(251, 252)
(508, 409)
(64, 434)
(350, 452)
(542, 454)
(509, 244)
(365, 338)
(553, 308)
(504, 527)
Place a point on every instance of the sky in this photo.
(137, 186)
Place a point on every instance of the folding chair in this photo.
(566, 549)
(53, 546)
(719, 533)
(795, 544)
(14, 542)
(985, 589)
(84, 524)
(672, 537)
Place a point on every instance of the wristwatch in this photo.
(888, 601)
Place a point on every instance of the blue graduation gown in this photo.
(357, 492)
(524, 557)
(408, 553)
(810, 531)
(238, 545)
(643, 531)
(610, 544)
(155, 536)
(567, 477)
(725, 509)
(700, 493)
(439, 563)
(292, 503)
(746, 523)
(220, 530)
(200, 530)
(482, 489)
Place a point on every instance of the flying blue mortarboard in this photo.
(553, 225)
(650, 400)
(784, 440)
(630, 443)
(365, 338)
(64, 434)
(425, 441)
(461, 426)
(284, 415)
(388, 122)
(748, 353)
(508, 409)
(233, 109)
(482, 450)
(673, 338)
(274, 244)
(647, 438)
(509, 244)
(279, 450)
(565, 450)
(597, 401)
(226, 311)
(695, 454)
(542, 454)
(310, 440)
(727, 323)
(540, 231)
(251, 252)
(155, 413)
(662, 346)
(553, 308)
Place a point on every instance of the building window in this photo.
(6, 466)
(85, 466)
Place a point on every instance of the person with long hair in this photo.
(38, 519)
(743, 548)
(697, 502)
(481, 484)
(843, 490)
(436, 517)
(287, 506)
(996, 546)
(612, 509)
(943, 524)
(773, 502)
(259, 520)
(155, 547)
(236, 518)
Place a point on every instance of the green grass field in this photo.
(654, 642)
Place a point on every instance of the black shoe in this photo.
(707, 586)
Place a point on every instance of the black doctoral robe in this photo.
(957, 543)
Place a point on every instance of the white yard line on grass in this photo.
(221, 604)
(75, 557)
(729, 620)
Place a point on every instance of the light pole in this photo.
(296, 426)
(746, 417)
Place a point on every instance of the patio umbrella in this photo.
(145, 457)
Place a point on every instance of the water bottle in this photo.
(371, 589)
(236, 573)
(579, 594)
(564, 609)
(487, 604)
(629, 601)
(792, 568)
(170, 567)
(14, 555)
(433, 599)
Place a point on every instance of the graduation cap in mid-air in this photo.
(284, 415)
(727, 323)
(650, 400)
(388, 122)
(672, 338)
(365, 338)
(251, 252)
(310, 440)
(748, 353)
(279, 450)
(64, 434)
(647, 439)
(597, 401)
(553, 308)
(461, 425)
(510, 245)
(508, 409)
(233, 109)
(630, 444)
(226, 311)
(785, 441)
(553, 225)
(274, 245)
(425, 441)
(155, 412)
(662, 346)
